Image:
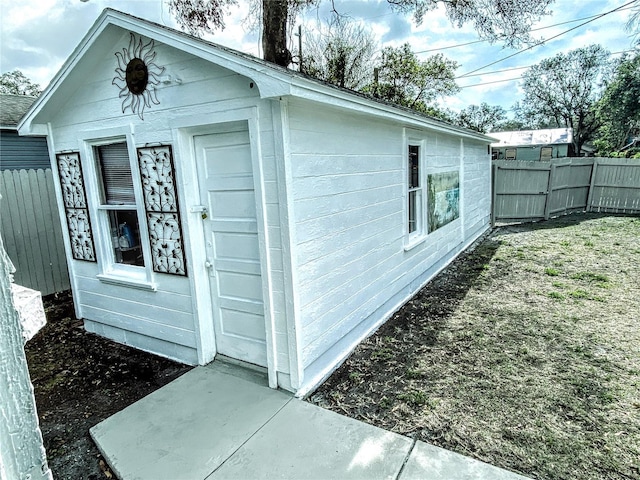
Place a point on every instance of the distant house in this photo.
(218, 204)
(17, 152)
(532, 145)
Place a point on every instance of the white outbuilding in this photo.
(217, 204)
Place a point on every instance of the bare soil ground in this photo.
(524, 353)
(79, 380)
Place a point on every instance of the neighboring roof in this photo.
(12, 108)
(272, 80)
(547, 136)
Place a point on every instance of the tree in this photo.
(16, 83)
(563, 91)
(508, 21)
(200, 16)
(484, 118)
(413, 83)
(341, 53)
(633, 24)
(618, 111)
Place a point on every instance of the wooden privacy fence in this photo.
(31, 231)
(529, 191)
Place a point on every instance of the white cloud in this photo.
(36, 36)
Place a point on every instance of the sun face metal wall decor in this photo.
(137, 76)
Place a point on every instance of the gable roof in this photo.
(12, 109)
(272, 80)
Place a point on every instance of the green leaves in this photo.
(562, 91)
(405, 80)
(483, 118)
(507, 21)
(618, 111)
(16, 83)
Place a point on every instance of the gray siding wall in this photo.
(22, 152)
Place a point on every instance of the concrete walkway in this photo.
(223, 422)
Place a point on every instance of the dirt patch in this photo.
(79, 380)
(524, 353)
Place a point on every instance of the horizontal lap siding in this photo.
(348, 185)
(349, 191)
(164, 321)
(18, 153)
(477, 194)
(146, 319)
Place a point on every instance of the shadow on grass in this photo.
(392, 353)
(569, 220)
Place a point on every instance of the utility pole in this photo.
(300, 46)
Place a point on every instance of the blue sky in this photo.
(37, 36)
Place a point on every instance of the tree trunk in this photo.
(274, 32)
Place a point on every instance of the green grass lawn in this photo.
(524, 353)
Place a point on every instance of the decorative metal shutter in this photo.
(75, 204)
(161, 204)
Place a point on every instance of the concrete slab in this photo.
(434, 463)
(305, 441)
(188, 428)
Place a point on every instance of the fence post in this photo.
(494, 196)
(592, 184)
(547, 198)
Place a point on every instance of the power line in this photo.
(517, 68)
(533, 30)
(489, 83)
(546, 40)
(498, 71)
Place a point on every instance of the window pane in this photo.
(413, 220)
(125, 237)
(414, 170)
(116, 174)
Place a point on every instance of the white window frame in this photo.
(417, 236)
(111, 271)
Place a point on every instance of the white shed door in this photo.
(226, 183)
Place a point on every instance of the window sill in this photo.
(127, 282)
(414, 242)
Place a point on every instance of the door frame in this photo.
(184, 130)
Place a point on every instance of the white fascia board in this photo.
(26, 126)
(309, 90)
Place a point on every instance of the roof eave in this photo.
(310, 90)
